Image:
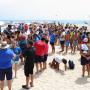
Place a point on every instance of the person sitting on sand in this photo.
(56, 62)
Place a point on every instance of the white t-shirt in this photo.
(62, 37)
(58, 58)
(66, 30)
(84, 47)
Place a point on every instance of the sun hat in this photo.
(4, 45)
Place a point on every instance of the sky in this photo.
(44, 9)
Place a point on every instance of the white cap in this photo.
(85, 40)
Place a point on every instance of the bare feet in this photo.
(31, 84)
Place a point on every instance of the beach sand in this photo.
(56, 80)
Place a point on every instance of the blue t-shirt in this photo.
(6, 56)
(17, 51)
(37, 37)
(52, 38)
(83, 36)
(22, 44)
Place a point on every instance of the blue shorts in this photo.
(62, 42)
(75, 42)
(52, 43)
(67, 43)
(6, 72)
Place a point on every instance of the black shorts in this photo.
(83, 61)
(28, 69)
(39, 59)
(52, 43)
(6, 72)
(45, 57)
(62, 42)
(88, 61)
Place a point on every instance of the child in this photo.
(75, 41)
(56, 61)
(71, 40)
(52, 41)
(67, 42)
(29, 55)
(17, 51)
(62, 40)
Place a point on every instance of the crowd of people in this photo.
(29, 45)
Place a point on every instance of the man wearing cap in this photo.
(6, 55)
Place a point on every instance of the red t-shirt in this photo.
(26, 27)
(67, 37)
(46, 49)
(22, 37)
(40, 48)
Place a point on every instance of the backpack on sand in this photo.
(71, 64)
